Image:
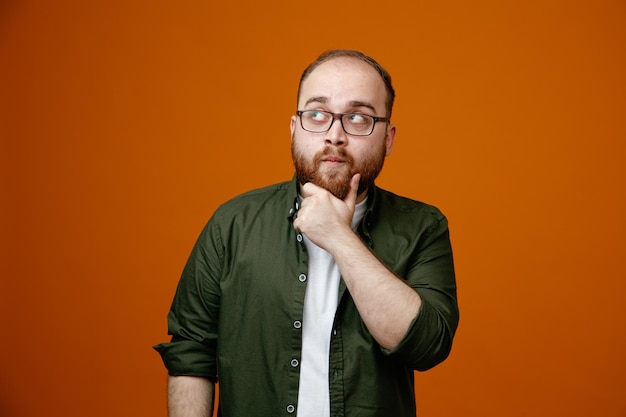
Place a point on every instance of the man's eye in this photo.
(357, 118)
(318, 116)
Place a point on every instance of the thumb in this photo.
(354, 190)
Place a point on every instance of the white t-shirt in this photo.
(320, 305)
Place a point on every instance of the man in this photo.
(322, 295)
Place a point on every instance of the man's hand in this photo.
(322, 216)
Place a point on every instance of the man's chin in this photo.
(338, 185)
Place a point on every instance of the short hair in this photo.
(350, 53)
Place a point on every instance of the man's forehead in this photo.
(355, 81)
(343, 66)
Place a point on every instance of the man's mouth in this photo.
(333, 161)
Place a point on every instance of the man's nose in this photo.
(336, 135)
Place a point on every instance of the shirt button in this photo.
(294, 362)
(302, 278)
(291, 408)
(297, 324)
(299, 237)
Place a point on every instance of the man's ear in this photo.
(292, 126)
(390, 138)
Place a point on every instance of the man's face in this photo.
(330, 159)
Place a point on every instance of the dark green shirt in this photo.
(237, 313)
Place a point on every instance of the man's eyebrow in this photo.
(353, 104)
(320, 99)
(362, 104)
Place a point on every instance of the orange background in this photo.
(125, 123)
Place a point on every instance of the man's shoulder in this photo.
(274, 195)
(269, 191)
(398, 206)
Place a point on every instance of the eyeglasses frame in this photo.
(340, 117)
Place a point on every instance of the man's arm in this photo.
(190, 396)
(386, 304)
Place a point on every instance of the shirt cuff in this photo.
(189, 358)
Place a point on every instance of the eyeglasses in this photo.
(356, 124)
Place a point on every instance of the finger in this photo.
(309, 189)
(354, 190)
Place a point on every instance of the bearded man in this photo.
(319, 296)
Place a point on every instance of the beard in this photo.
(337, 180)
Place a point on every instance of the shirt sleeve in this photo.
(428, 340)
(193, 316)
